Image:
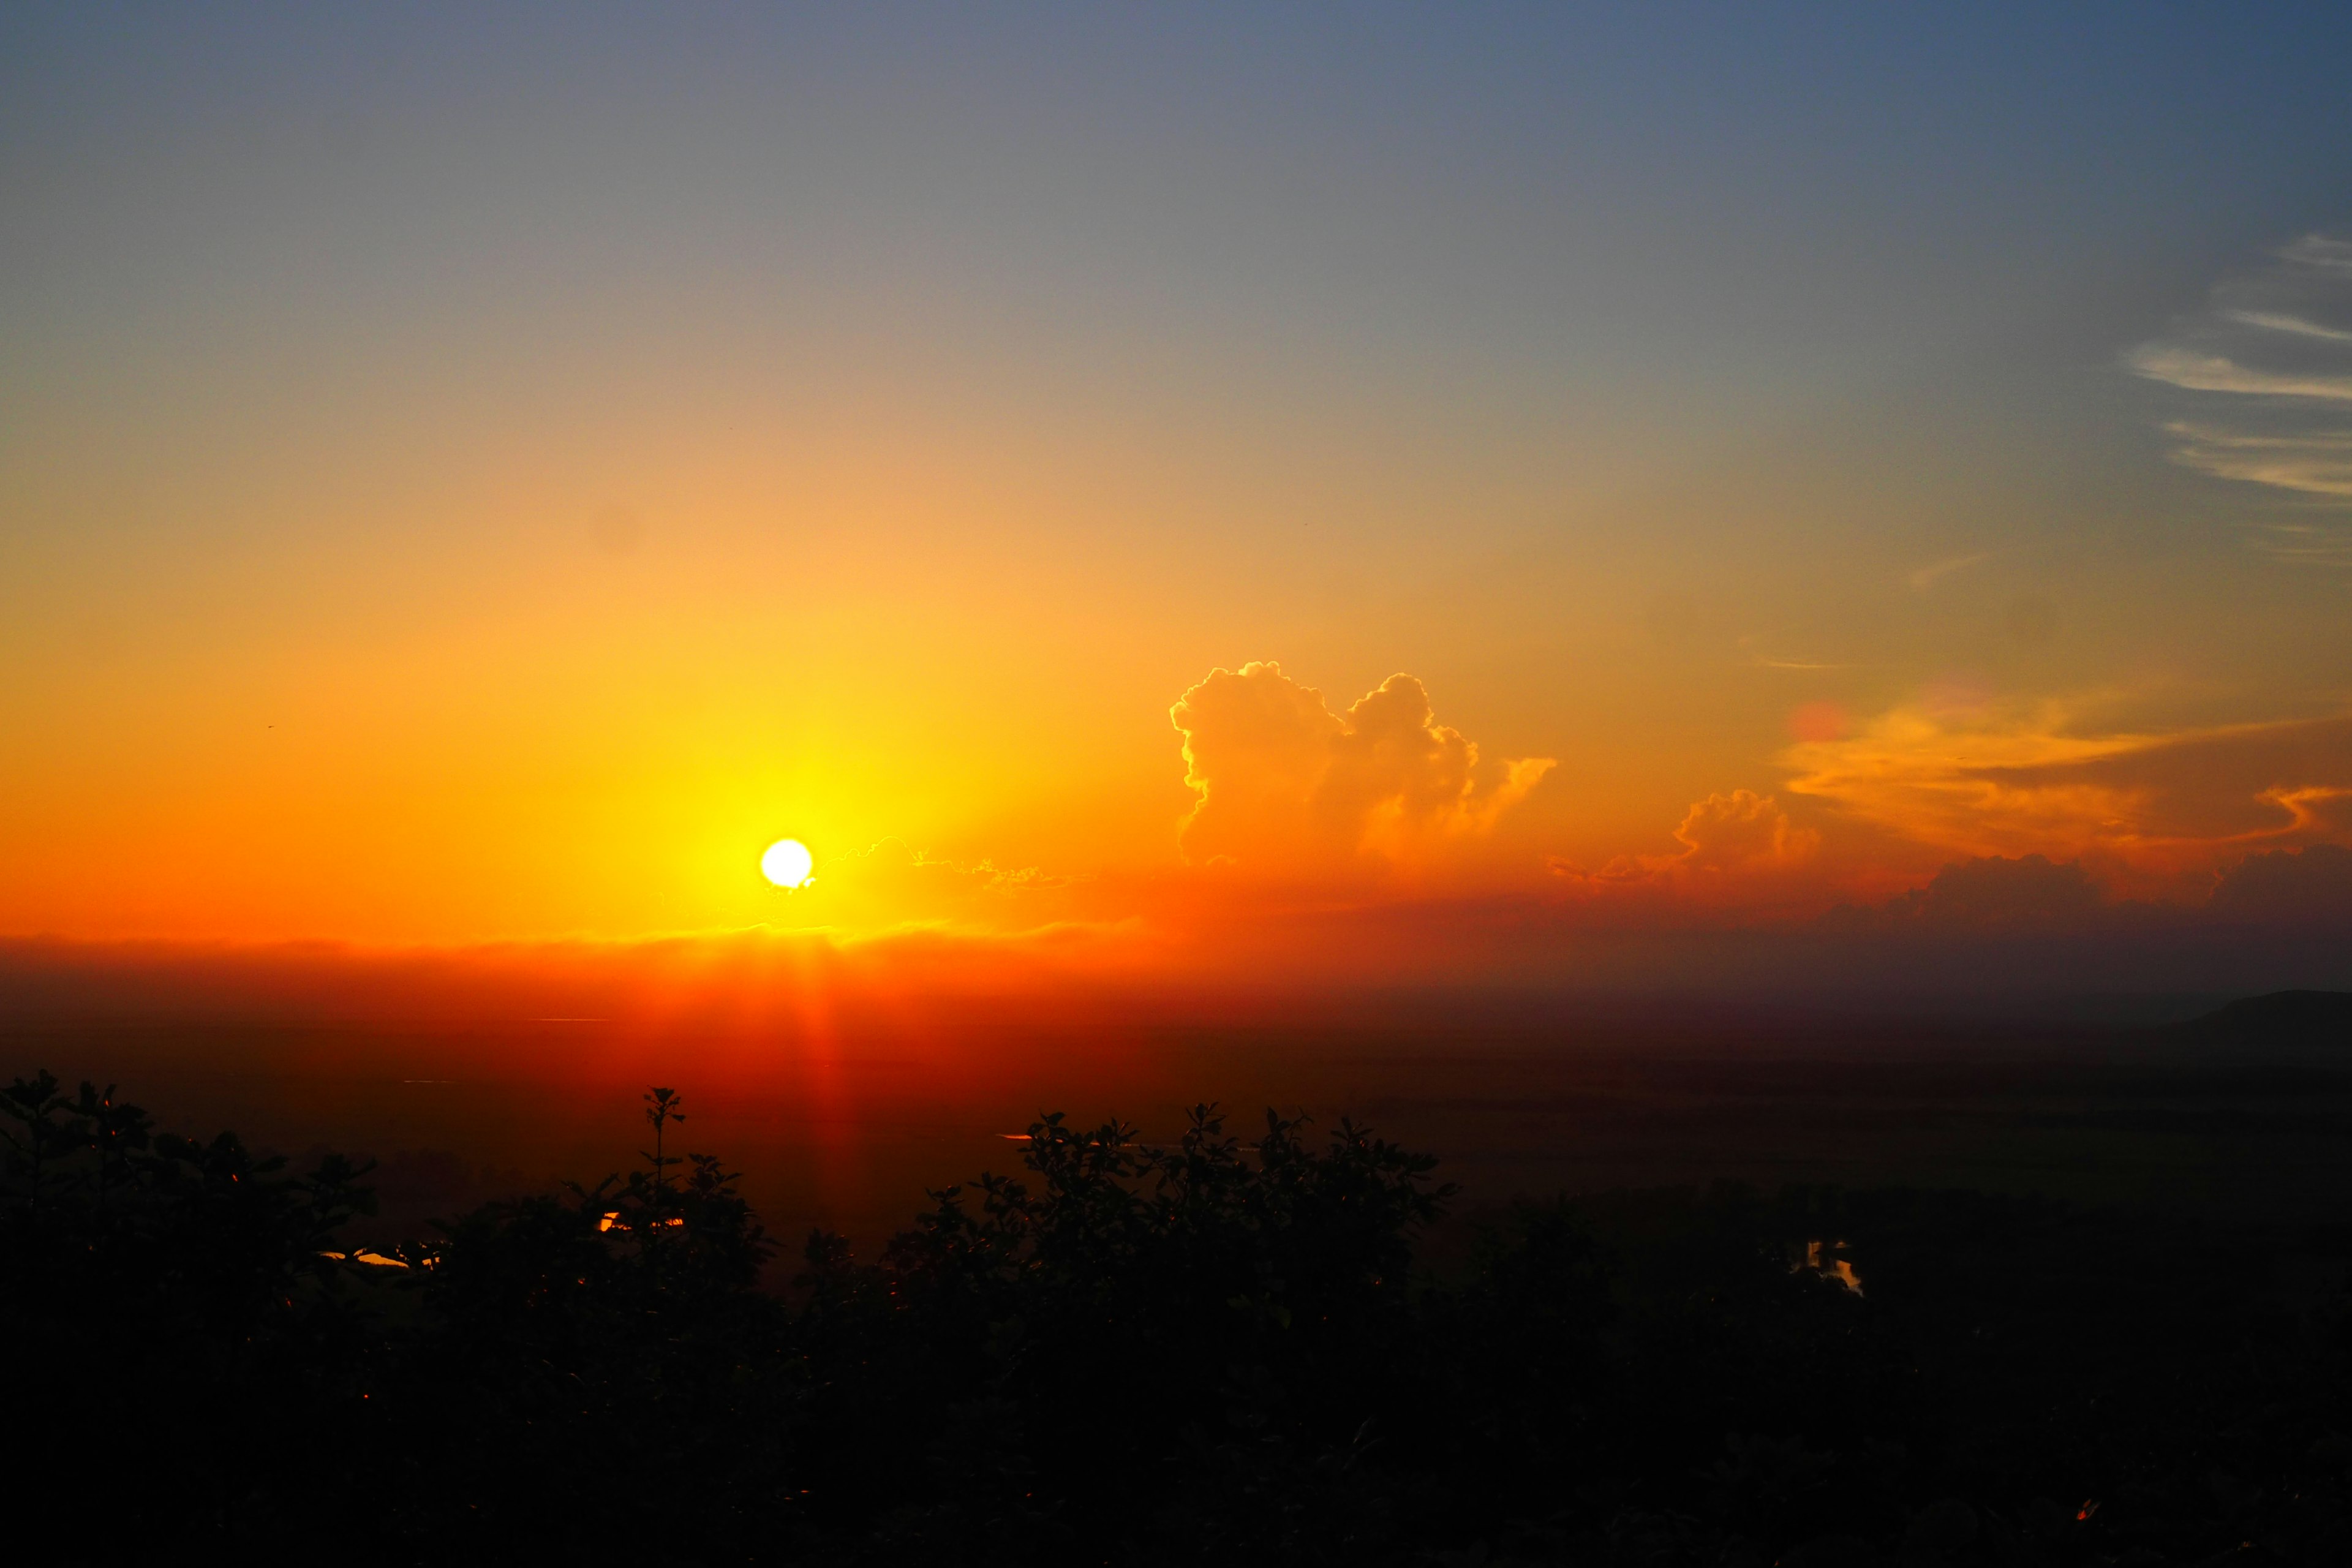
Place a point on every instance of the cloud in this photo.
(1738, 850)
(2271, 321)
(2310, 888)
(2315, 464)
(1741, 831)
(1987, 933)
(2275, 920)
(2321, 251)
(891, 885)
(895, 866)
(1994, 893)
(2044, 778)
(1286, 783)
(2211, 372)
(1924, 577)
(2266, 374)
(1949, 777)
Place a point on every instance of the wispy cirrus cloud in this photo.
(2320, 250)
(2216, 372)
(2265, 372)
(2315, 464)
(1926, 577)
(2271, 321)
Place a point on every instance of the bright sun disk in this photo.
(788, 863)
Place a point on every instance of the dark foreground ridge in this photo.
(2303, 1024)
(1222, 1348)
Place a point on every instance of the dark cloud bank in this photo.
(1986, 938)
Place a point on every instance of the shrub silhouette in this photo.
(147, 1273)
(1142, 1352)
(607, 1337)
(1245, 1301)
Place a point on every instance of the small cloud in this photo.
(1992, 893)
(2271, 321)
(1926, 577)
(2267, 370)
(2309, 544)
(893, 862)
(2319, 250)
(2212, 373)
(1735, 838)
(2317, 463)
(891, 883)
(1742, 831)
(1284, 782)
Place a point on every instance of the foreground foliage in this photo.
(1147, 1354)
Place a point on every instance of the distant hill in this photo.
(2285, 1023)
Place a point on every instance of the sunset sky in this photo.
(1128, 480)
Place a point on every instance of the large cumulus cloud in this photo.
(1285, 784)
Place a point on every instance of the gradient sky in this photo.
(477, 476)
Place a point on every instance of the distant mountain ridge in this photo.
(2300, 1022)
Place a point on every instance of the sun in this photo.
(788, 863)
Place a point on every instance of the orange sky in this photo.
(489, 495)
